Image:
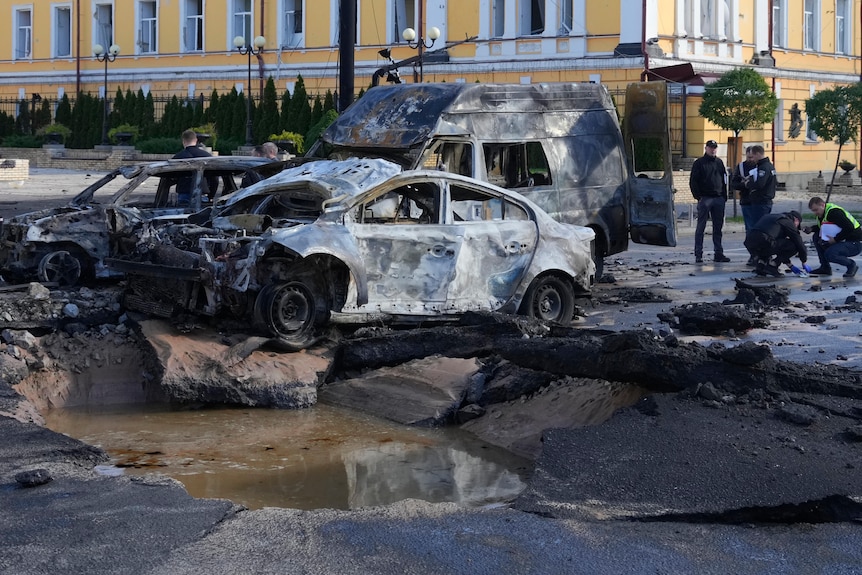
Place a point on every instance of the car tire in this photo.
(550, 298)
(291, 312)
(60, 267)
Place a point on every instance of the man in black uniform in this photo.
(708, 182)
(776, 235)
(186, 183)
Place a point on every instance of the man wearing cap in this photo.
(776, 235)
(837, 237)
(708, 182)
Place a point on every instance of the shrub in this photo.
(64, 132)
(25, 141)
(226, 146)
(124, 128)
(159, 146)
(297, 139)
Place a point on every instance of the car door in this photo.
(647, 142)
(408, 256)
(498, 242)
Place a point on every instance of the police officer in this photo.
(837, 237)
(776, 235)
(708, 183)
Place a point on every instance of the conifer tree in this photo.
(64, 112)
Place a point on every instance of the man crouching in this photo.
(776, 235)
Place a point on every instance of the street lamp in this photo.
(253, 50)
(409, 35)
(105, 57)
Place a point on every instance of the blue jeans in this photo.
(752, 213)
(839, 253)
(711, 208)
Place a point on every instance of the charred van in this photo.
(559, 145)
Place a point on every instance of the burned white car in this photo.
(357, 241)
(69, 243)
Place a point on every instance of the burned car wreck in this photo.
(70, 243)
(356, 241)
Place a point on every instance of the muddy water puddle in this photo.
(323, 457)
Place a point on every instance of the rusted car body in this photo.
(71, 242)
(559, 145)
(360, 240)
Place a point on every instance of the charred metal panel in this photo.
(398, 116)
(647, 136)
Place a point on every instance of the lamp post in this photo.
(105, 57)
(253, 50)
(409, 35)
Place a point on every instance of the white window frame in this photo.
(147, 26)
(498, 18)
(779, 121)
(526, 26)
(779, 23)
(193, 27)
(61, 39)
(22, 47)
(292, 16)
(843, 27)
(567, 17)
(103, 33)
(811, 25)
(242, 21)
(403, 14)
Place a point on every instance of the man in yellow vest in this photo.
(837, 237)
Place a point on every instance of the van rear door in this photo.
(647, 140)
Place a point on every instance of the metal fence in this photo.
(12, 106)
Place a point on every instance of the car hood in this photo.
(33, 217)
(335, 178)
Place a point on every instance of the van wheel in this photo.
(60, 267)
(291, 311)
(550, 298)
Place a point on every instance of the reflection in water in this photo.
(305, 459)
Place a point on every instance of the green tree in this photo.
(836, 115)
(64, 112)
(269, 117)
(285, 111)
(739, 100)
(299, 119)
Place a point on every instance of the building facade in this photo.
(186, 48)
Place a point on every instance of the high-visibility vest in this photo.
(846, 213)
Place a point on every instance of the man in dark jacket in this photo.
(186, 184)
(708, 182)
(760, 185)
(742, 174)
(837, 237)
(776, 235)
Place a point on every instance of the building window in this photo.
(498, 19)
(531, 17)
(566, 17)
(293, 23)
(842, 27)
(62, 31)
(811, 25)
(403, 16)
(23, 34)
(193, 31)
(778, 35)
(103, 25)
(147, 30)
(242, 20)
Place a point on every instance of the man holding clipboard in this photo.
(837, 239)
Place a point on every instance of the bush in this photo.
(159, 146)
(297, 139)
(226, 146)
(26, 141)
(124, 128)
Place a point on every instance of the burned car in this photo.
(69, 243)
(358, 241)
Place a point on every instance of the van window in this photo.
(470, 205)
(520, 165)
(452, 157)
(648, 157)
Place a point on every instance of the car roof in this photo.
(338, 177)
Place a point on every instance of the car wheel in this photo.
(291, 311)
(60, 267)
(550, 298)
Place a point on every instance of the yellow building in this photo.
(186, 48)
